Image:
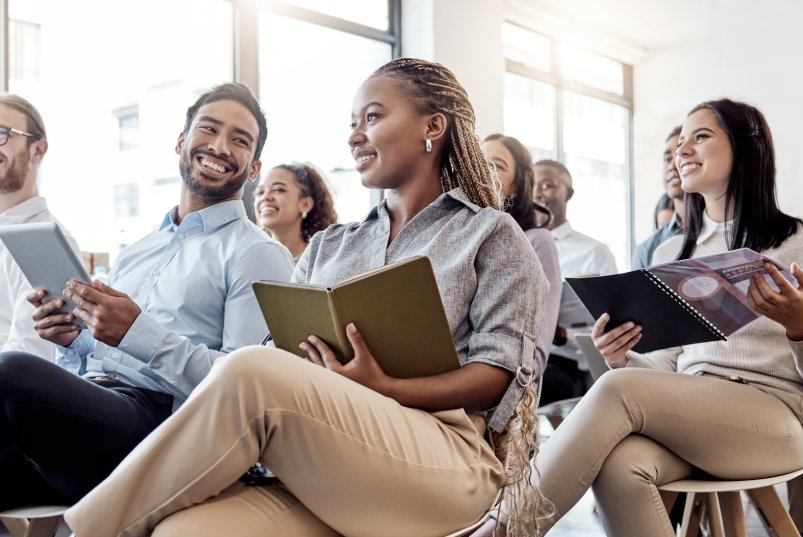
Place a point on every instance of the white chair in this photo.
(720, 502)
(39, 521)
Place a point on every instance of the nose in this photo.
(684, 148)
(219, 145)
(356, 137)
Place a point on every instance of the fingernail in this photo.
(630, 325)
(351, 328)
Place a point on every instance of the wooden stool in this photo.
(722, 502)
(40, 521)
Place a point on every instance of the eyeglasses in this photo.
(5, 132)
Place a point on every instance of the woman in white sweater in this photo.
(729, 408)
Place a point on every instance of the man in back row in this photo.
(642, 257)
(64, 427)
(23, 144)
(579, 255)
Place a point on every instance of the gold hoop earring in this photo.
(428, 145)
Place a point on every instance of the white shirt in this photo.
(16, 326)
(580, 255)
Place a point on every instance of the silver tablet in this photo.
(46, 259)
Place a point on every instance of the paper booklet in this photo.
(397, 308)
(680, 303)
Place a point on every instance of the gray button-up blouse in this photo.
(491, 283)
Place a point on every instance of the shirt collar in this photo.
(710, 227)
(23, 211)
(562, 231)
(444, 200)
(207, 219)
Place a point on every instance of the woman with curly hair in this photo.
(292, 204)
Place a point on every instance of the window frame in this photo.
(246, 38)
(555, 78)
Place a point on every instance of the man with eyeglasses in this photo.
(23, 144)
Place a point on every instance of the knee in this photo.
(250, 362)
(20, 371)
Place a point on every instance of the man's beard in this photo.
(224, 191)
(14, 179)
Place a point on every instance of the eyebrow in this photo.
(215, 121)
(369, 105)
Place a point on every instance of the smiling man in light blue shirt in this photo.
(178, 300)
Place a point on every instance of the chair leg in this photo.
(17, 527)
(772, 512)
(692, 514)
(44, 527)
(732, 514)
(714, 515)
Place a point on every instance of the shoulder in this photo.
(668, 250)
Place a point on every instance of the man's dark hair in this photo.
(232, 91)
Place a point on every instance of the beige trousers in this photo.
(637, 429)
(350, 460)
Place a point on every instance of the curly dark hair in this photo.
(311, 182)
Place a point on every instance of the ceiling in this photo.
(646, 24)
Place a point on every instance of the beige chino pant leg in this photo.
(728, 429)
(359, 461)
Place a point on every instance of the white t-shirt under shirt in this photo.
(16, 326)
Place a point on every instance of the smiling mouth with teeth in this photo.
(364, 158)
(213, 166)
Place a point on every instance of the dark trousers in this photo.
(562, 380)
(60, 435)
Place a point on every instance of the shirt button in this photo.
(181, 237)
(155, 272)
(115, 355)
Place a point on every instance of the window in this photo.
(126, 200)
(575, 106)
(24, 40)
(139, 65)
(315, 127)
(113, 95)
(128, 127)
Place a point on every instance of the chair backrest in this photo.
(596, 362)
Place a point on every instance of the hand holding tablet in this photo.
(47, 260)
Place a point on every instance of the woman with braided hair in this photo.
(356, 452)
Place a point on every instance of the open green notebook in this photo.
(396, 308)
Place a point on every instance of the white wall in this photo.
(752, 54)
(468, 41)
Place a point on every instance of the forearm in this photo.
(475, 387)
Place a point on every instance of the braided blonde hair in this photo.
(434, 89)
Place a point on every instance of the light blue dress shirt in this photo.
(193, 284)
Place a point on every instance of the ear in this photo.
(307, 203)
(253, 173)
(180, 142)
(569, 192)
(38, 150)
(436, 127)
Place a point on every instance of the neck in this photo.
(679, 208)
(12, 199)
(715, 208)
(557, 220)
(291, 237)
(190, 203)
(409, 200)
